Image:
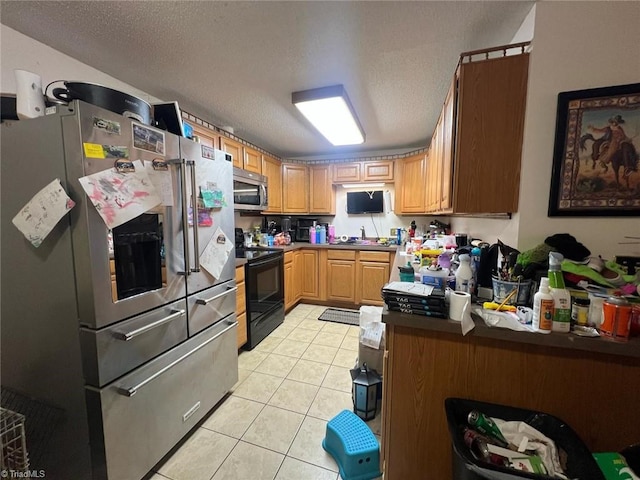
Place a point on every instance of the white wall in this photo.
(576, 45)
(25, 53)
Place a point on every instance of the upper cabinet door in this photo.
(346, 172)
(411, 193)
(380, 171)
(271, 168)
(205, 135)
(295, 181)
(322, 194)
(252, 160)
(235, 149)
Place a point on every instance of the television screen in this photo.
(365, 202)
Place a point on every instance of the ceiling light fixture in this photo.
(331, 113)
(363, 185)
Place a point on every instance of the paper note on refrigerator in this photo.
(161, 179)
(216, 253)
(120, 197)
(38, 217)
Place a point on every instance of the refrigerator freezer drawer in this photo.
(210, 306)
(113, 351)
(145, 413)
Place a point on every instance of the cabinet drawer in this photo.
(374, 256)
(211, 306)
(288, 257)
(341, 254)
(240, 274)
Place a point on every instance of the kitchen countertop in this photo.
(481, 330)
(327, 246)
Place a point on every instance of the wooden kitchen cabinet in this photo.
(289, 290)
(346, 172)
(411, 192)
(369, 171)
(322, 193)
(205, 135)
(235, 149)
(295, 182)
(241, 306)
(252, 160)
(310, 281)
(378, 171)
(488, 127)
(298, 275)
(271, 168)
(372, 274)
(341, 275)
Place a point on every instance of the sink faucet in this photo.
(362, 234)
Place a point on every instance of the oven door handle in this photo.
(202, 301)
(195, 216)
(266, 261)
(131, 391)
(126, 336)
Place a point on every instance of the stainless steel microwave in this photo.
(249, 190)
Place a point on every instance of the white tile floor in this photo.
(272, 426)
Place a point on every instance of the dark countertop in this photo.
(481, 330)
(327, 246)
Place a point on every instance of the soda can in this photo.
(485, 425)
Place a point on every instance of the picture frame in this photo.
(596, 155)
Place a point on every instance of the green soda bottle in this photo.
(483, 424)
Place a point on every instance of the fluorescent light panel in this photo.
(330, 112)
(363, 185)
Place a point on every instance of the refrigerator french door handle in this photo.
(131, 391)
(194, 200)
(180, 162)
(126, 336)
(202, 301)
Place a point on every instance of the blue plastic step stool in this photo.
(353, 446)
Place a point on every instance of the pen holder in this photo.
(502, 289)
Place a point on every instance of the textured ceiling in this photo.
(236, 63)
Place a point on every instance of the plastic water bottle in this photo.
(464, 274)
(312, 234)
(561, 296)
(323, 234)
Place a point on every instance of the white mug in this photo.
(29, 96)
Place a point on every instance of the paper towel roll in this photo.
(458, 303)
(343, 238)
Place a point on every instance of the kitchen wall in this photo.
(375, 225)
(25, 53)
(576, 45)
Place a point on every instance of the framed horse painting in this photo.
(596, 153)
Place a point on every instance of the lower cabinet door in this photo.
(137, 419)
(341, 276)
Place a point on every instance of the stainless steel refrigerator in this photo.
(121, 331)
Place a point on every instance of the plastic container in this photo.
(561, 296)
(435, 278)
(332, 233)
(464, 274)
(323, 235)
(580, 462)
(543, 308)
(502, 289)
(616, 319)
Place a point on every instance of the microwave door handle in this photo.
(194, 202)
(264, 194)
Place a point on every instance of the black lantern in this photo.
(364, 392)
